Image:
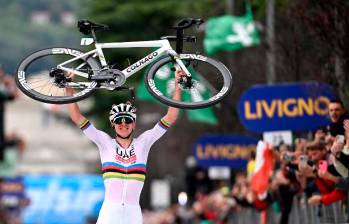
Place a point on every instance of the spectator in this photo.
(320, 133)
(14, 148)
(8, 91)
(337, 114)
(341, 154)
(317, 152)
(285, 184)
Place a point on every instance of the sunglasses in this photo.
(126, 120)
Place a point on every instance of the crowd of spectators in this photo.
(314, 169)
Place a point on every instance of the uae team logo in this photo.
(125, 155)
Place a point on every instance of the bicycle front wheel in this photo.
(211, 81)
(42, 75)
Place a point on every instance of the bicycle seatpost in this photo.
(179, 41)
(184, 24)
(94, 36)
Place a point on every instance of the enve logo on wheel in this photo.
(21, 79)
(153, 87)
(220, 94)
(66, 51)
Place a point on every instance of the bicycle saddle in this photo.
(86, 26)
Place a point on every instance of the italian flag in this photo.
(263, 169)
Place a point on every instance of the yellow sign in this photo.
(289, 107)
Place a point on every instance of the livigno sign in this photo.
(293, 106)
(224, 150)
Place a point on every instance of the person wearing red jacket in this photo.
(324, 180)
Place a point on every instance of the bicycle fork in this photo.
(178, 62)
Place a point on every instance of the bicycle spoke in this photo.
(195, 95)
(206, 83)
(36, 87)
(36, 81)
(50, 90)
(57, 91)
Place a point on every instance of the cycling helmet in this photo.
(122, 110)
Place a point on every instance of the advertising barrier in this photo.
(224, 150)
(68, 199)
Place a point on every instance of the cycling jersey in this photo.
(124, 172)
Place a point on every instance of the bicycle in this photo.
(43, 74)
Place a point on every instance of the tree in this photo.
(327, 26)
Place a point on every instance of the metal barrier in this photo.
(303, 213)
(336, 213)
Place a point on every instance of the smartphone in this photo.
(288, 157)
(323, 165)
(340, 139)
(303, 160)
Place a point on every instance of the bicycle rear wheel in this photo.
(40, 78)
(211, 82)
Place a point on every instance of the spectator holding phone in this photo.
(340, 150)
(329, 194)
(289, 187)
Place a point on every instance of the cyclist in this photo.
(124, 157)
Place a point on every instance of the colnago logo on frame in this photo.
(142, 61)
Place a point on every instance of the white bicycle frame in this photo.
(163, 45)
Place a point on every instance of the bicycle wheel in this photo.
(211, 82)
(39, 77)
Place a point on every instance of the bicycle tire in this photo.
(219, 68)
(22, 80)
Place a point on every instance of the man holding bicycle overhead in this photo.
(124, 157)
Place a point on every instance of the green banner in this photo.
(230, 33)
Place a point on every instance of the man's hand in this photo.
(346, 128)
(336, 146)
(306, 170)
(178, 76)
(69, 91)
(70, 76)
(314, 200)
(326, 175)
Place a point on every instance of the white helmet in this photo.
(122, 110)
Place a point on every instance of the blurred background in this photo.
(50, 170)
